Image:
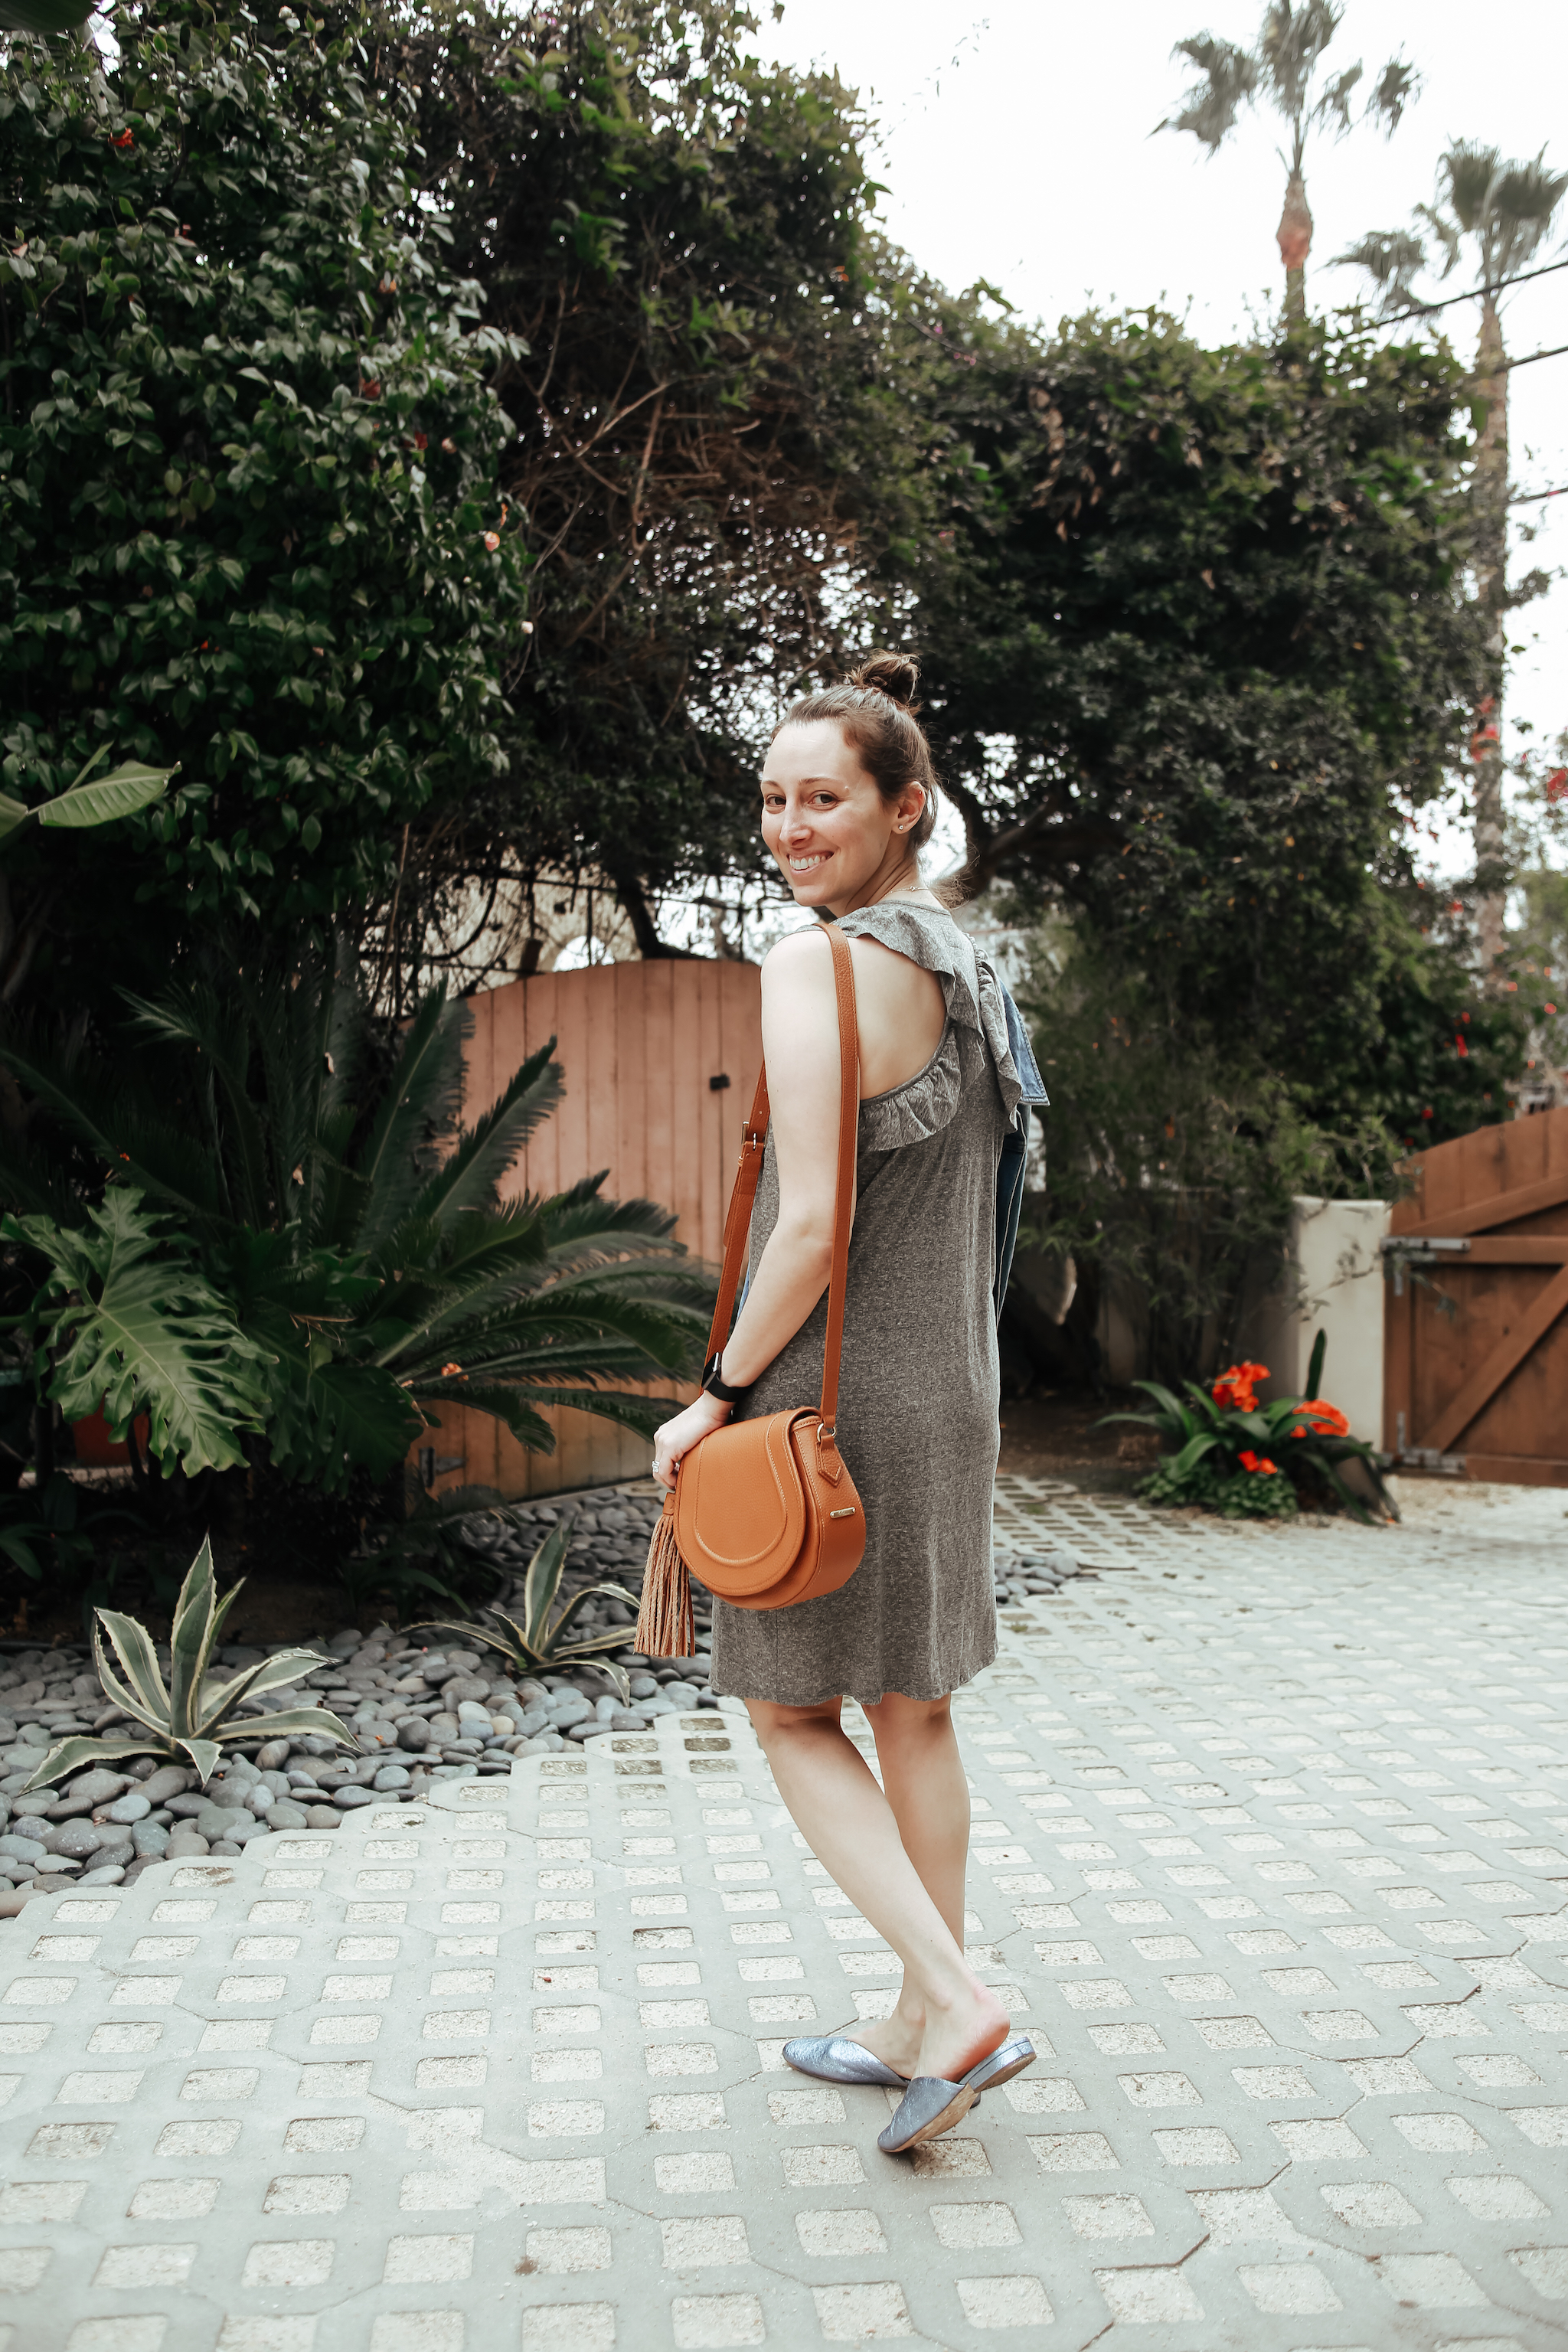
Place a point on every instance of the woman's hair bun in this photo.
(895, 674)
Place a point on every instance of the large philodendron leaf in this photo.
(134, 1328)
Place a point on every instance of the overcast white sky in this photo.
(1016, 148)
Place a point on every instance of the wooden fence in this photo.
(659, 1062)
(1477, 1335)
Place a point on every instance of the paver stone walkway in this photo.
(1270, 1835)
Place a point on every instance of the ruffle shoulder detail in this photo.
(972, 994)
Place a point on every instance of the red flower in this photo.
(1233, 1388)
(1259, 1463)
(1557, 784)
(492, 540)
(1326, 1420)
(1460, 1046)
(124, 141)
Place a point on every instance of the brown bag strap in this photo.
(738, 1223)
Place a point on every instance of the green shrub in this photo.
(1247, 1460)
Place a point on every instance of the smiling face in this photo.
(837, 842)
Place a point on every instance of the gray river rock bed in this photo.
(424, 1708)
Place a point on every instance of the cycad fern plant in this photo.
(343, 1220)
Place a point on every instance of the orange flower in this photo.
(453, 1371)
(1236, 1384)
(1326, 1420)
(1259, 1463)
(492, 540)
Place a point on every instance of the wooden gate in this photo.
(659, 1060)
(1476, 1335)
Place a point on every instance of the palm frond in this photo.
(1398, 86)
(1228, 78)
(469, 1178)
(193, 1014)
(419, 1106)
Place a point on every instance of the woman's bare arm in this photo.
(800, 1045)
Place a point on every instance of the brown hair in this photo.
(875, 707)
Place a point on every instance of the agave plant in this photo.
(188, 1720)
(541, 1643)
(351, 1227)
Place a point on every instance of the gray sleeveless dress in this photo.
(919, 1389)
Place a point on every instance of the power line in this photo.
(1424, 309)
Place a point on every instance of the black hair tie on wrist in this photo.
(717, 1386)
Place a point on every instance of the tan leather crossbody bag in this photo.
(765, 1512)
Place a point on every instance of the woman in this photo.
(849, 797)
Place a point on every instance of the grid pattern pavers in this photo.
(502, 2068)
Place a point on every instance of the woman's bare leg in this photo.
(925, 1784)
(946, 2020)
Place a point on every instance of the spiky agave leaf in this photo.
(295, 1722)
(590, 1592)
(512, 1644)
(542, 1580)
(204, 1755)
(190, 1639)
(147, 1699)
(582, 1653)
(272, 1673)
(69, 1755)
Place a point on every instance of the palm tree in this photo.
(1283, 67)
(1505, 210)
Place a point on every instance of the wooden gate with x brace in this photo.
(1475, 1333)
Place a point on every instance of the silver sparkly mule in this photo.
(931, 2105)
(834, 2058)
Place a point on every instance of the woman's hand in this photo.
(679, 1436)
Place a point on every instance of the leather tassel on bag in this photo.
(665, 1628)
